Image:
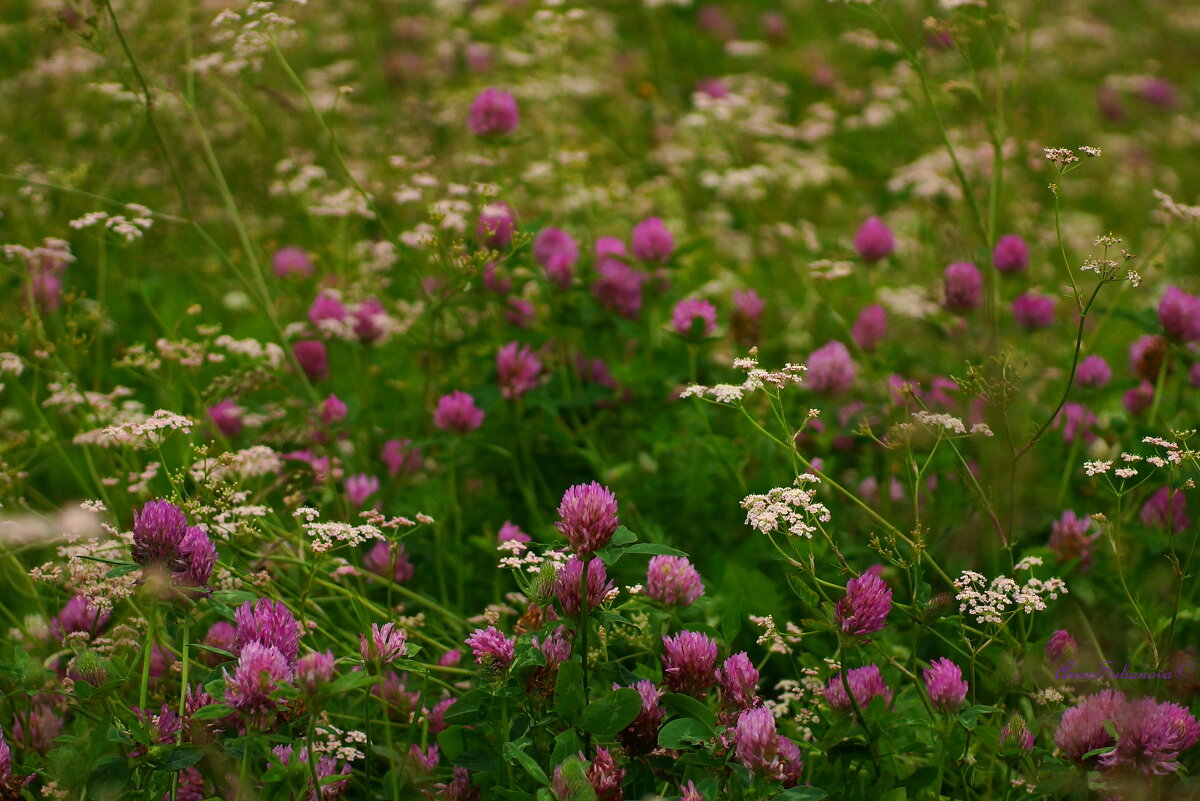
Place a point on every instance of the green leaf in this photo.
(568, 692)
(234, 597)
(654, 548)
(468, 709)
(731, 620)
(682, 732)
(609, 715)
(622, 537)
(352, 681)
(513, 753)
(122, 570)
(180, 757)
(574, 779)
(802, 793)
(566, 745)
(688, 707)
(895, 794)
(211, 712)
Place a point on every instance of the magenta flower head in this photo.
(389, 559)
(687, 312)
(1076, 421)
(494, 113)
(1011, 254)
(401, 457)
(652, 241)
(496, 225)
(1137, 400)
(1166, 510)
(747, 315)
(945, 685)
(1146, 356)
(78, 615)
(865, 607)
(689, 792)
(963, 287)
(1150, 737)
(619, 287)
(158, 530)
(511, 532)
(227, 417)
(1082, 728)
(1060, 646)
(1093, 372)
(220, 635)
(831, 371)
(673, 581)
(568, 587)
(269, 623)
(738, 679)
(313, 358)
(517, 370)
(1033, 311)
(874, 240)
(261, 671)
(1158, 92)
(385, 645)
(314, 670)
(490, 647)
(754, 739)
(291, 261)
(197, 557)
(870, 327)
(520, 312)
(326, 307)
(557, 251)
(865, 684)
(332, 410)
(1072, 537)
(459, 788)
(1015, 735)
(555, 647)
(330, 789)
(5, 762)
(360, 487)
(1179, 315)
(587, 517)
(689, 662)
(371, 320)
(457, 412)
(605, 777)
(641, 736)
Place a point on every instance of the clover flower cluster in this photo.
(1149, 734)
(790, 510)
(987, 602)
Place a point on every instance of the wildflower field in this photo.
(553, 400)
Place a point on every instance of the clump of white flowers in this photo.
(790, 510)
(988, 602)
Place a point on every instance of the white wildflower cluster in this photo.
(1171, 210)
(53, 254)
(791, 510)
(829, 270)
(521, 557)
(1172, 454)
(130, 228)
(270, 353)
(774, 640)
(1108, 269)
(342, 745)
(756, 378)
(257, 460)
(951, 423)
(141, 432)
(11, 364)
(84, 574)
(1047, 696)
(987, 602)
(1063, 157)
(327, 536)
(248, 36)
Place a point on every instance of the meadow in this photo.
(551, 400)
